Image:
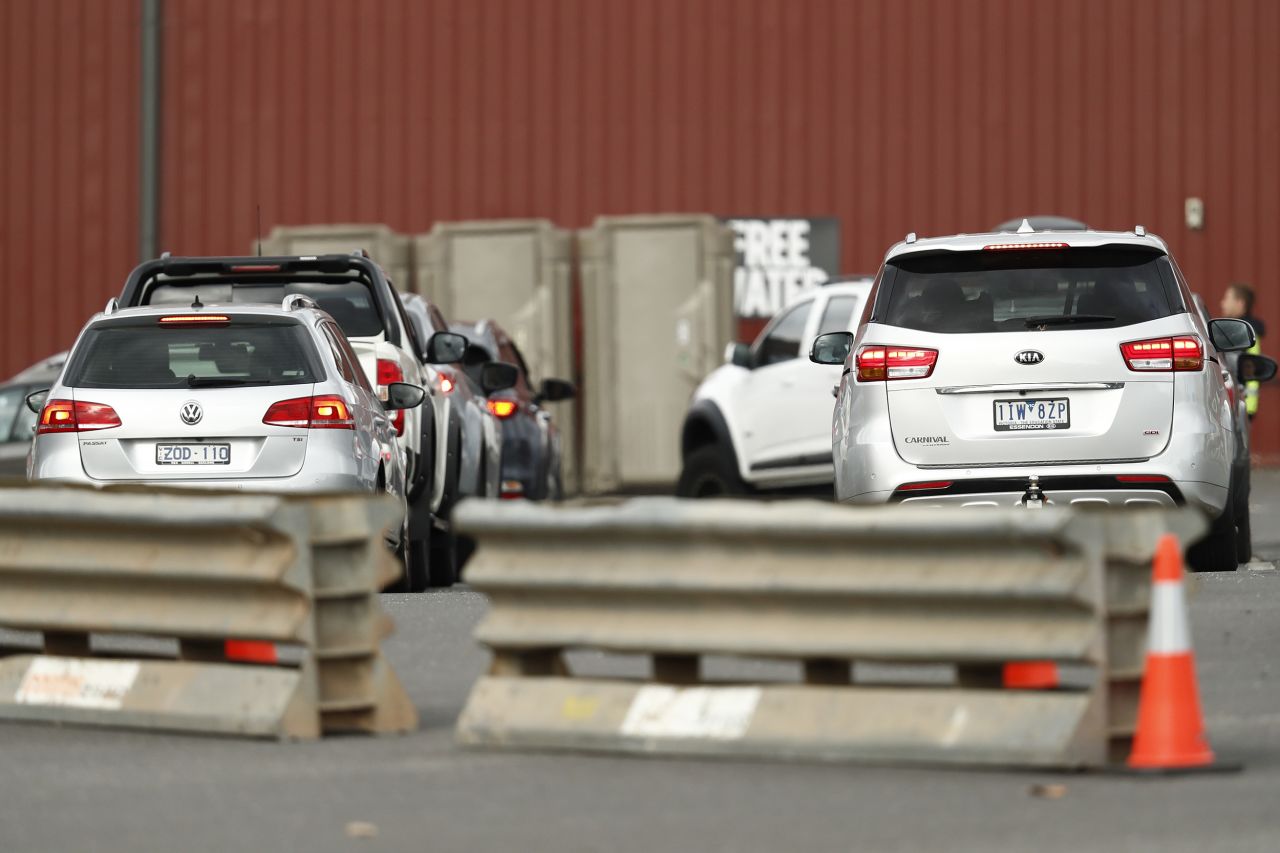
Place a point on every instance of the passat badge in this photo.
(191, 413)
(1029, 356)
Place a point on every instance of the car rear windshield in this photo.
(148, 355)
(1013, 291)
(350, 302)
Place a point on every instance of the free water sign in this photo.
(778, 259)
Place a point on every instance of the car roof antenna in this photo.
(259, 206)
(197, 303)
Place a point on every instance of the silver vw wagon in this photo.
(254, 397)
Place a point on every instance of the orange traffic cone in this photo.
(250, 651)
(1031, 675)
(1170, 732)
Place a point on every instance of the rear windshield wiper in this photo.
(219, 382)
(1067, 319)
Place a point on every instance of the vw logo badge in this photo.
(191, 413)
(1029, 356)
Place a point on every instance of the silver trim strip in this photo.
(1048, 386)
(953, 467)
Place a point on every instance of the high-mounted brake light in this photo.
(390, 371)
(327, 412)
(195, 320)
(877, 363)
(75, 416)
(503, 408)
(1006, 247)
(255, 268)
(1164, 355)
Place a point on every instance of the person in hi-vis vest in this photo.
(1237, 302)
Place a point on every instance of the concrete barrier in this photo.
(91, 569)
(823, 587)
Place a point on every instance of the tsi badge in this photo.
(191, 413)
(1029, 356)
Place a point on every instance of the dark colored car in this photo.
(530, 439)
(16, 420)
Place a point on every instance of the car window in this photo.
(143, 354)
(1013, 291)
(838, 314)
(417, 344)
(11, 402)
(350, 303)
(781, 341)
(347, 358)
(507, 352)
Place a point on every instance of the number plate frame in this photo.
(1040, 426)
(202, 458)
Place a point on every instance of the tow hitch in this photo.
(1033, 498)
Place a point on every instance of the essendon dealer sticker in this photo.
(76, 683)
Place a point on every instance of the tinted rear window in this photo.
(137, 355)
(351, 303)
(1007, 291)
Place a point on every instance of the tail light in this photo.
(1183, 354)
(511, 490)
(1016, 247)
(311, 413)
(390, 371)
(75, 416)
(446, 385)
(880, 363)
(1142, 478)
(503, 409)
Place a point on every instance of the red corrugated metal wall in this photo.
(68, 168)
(894, 115)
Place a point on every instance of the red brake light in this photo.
(446, 385)
(1180, 354)
(877, 363)
(311, 413)
(195, 320)
(503, 408)
(390, 371)
(255, 268)
(926, 485)
(75, 416)
(1004, 247)
(1142, 478)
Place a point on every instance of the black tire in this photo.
(418, 565)
(1244, 531)
(443, 567)
(1216, 552)
(710, 472)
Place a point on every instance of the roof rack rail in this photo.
(911, 238)
(294, 301)
(1140, 230)
(113, 305)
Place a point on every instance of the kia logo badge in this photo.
(1029, 356)
(191, 413)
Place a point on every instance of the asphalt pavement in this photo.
(75, 789)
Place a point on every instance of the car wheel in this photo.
(710, 472)
(418, 565)
(1216, 552)
(443, 563)
(1244, 535)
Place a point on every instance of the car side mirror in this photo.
(446, 348)
(740, 355)
(1231, 335)
(36, 400)
(402, 395)
(554, 390)
(1255, 368)
(498, 376)
(831, 348)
